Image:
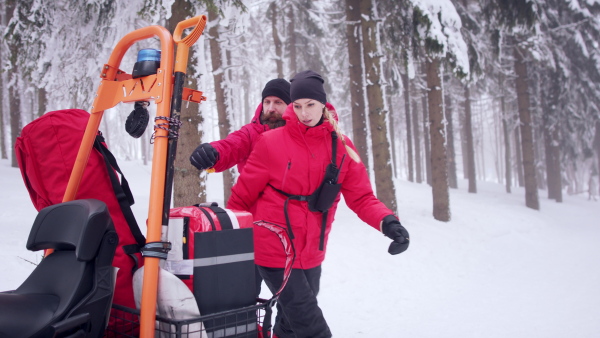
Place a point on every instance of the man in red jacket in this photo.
(237, 146)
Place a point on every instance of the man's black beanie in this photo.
(279, 88)
(308, 85)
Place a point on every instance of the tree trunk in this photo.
(216, 56)
(357, 95)
(463, 144)
(14, 108)
(596, 144)
(538, 147)
(188, 189)
(519, 157)
(409, 141)
(276, 40)
(3, 153)
(549, 93)
(452, 178)
(439, 162)
(531, 193)
(42, 99)
(377, 114)
(470, 150)
(392, 135)
(417, 135)
(426, 141)
(292, 40)
(12, 87)
(552, 152)
(507, 155)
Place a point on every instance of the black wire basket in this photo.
(246, 322)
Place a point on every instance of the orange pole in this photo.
(157, 186)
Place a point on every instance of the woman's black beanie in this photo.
(308, 85)
(279, 88)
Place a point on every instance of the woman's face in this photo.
(309, 111)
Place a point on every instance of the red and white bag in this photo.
(212, 251)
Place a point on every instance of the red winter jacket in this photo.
(237, 146)
(293, 159)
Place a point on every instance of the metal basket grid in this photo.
(240, 323)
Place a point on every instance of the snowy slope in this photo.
(498, 269)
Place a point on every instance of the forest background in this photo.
(505, 91)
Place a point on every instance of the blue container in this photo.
(148, 62)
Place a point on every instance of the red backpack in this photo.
(46, 152)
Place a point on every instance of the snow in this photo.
(497, 269)
(445, 26)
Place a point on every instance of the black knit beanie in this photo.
(308, 85)
(279, 88)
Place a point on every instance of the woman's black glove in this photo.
(392, 228)
(204, 157)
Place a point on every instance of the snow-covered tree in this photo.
(438, 26)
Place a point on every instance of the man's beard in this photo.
(273, 120)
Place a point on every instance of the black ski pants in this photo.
(298, 313)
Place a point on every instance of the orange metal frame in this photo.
(116, 86)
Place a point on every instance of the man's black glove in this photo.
(392, 228)
(204, 157)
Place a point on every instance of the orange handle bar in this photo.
(183, 45)
(194, 35)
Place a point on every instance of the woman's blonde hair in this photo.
(329, 116)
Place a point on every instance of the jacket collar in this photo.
(298, 129)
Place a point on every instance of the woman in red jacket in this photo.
(287, 166)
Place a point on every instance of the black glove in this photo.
(393, 229)
(204, 157)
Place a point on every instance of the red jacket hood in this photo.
(256, 118)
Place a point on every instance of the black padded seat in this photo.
(69, 293)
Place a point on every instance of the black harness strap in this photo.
(125, 199)
(301, 198)
(122, 191)
(326, 212)
(305, 198)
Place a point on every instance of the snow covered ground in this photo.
(498, 269)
